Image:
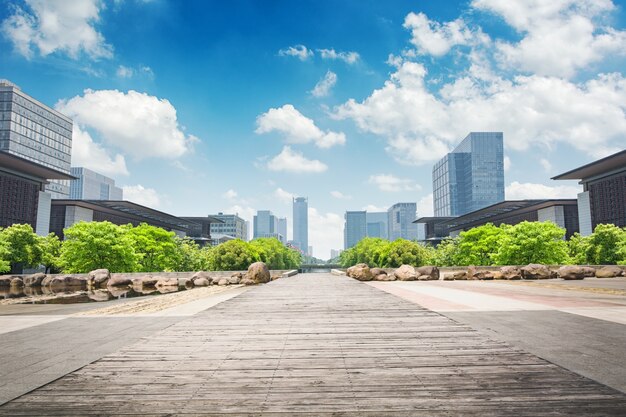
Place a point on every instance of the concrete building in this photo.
(377, 224)
(603, 199)
(282, 229)
(400, 219)
(355, 228)
(35, 149)
(231, 225)
(65, 213)
(471, 176)
(90, 185)
(431, 230)
(265, 224)
(301, 223)
(200, 230)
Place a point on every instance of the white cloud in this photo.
(129, 72)
(296, 128)
(391, 183)
(299, 51)
(89, 154)
(425, 206)
(558, 37)
(292, 161)
(50, 26)
(124, 72)
(421, 127)
(434, 38)
(340, 196)
(325, 232)
(547, 166)
(141, 125)
(143, 196)
(374, 208)
(230, 194)
(284, 196)
(347, 57)
(507, 163)
(323, 87)
(527, 190)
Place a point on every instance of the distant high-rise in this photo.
(355, 228)
(265, 224)
(233, 226)
(471, 177)
(377, 224)
(282, 229)
(400, 219)
(335, 253)
(301, 223)
(90, 185)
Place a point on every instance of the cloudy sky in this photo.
(197, 107)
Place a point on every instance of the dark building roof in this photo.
(500, 210)
(432, 219)
(599, 167)
(131, 210)
(18, 164)
(204, 219)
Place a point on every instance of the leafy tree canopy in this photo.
(23, 245)
(234, 255)
(532, 242)
(155, 247)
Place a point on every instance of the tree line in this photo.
(127, 248)
(490, 245)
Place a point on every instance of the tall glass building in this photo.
(355, 228)
(301, 223)
(377, 224)
(265, 224)
(470, 177)
(89, 185)
(400, 221)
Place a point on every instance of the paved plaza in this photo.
(317, 344)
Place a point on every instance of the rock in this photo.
(167, 282)
(385, 277)
(145, 281)
(360, 272)
(235, 279)
(247, 281)
(5, 281)
(275, 277)
(60, 282)
(497, 275)
(571, 272)
(185, 282)
(473, 273)
(119, 280)
(405, 273)
(201, 282)
(511, 272)
(34, 280)
(100, 295)
(17, 283)
(432, 272)
(458, 275)
(377, 271)
(536, 271)
(47, 280)
(609, 272)
(201, 274)
(99, 277)
(258, 272)
(223, 281)
(589, 271)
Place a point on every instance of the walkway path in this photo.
(317, 344)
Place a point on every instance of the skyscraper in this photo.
(301, 223)
(355, 228)
(471, 177)
(400, 221)
(377, 224)
(90, 185)
(265, 224)
(282, 229)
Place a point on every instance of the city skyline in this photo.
(195, 108)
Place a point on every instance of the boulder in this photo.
(610, 271)
(167, 282)
(473, 273)
(223, 281)
(457, 275)
(589, 271)
(247, 281)
(99, 277)
(377, 271)
(100, 295)
(511, 272)
(536, 271)
(17, 283)
(385, 277)
(185, 282)
(361, 272)
(201, 274)
(145, 281)
(5, 281)
(571, 272)
(34, 280)
(497, 275)
(427, 273)
(119, 280)
(257, 272)
(47, 280)
(405, 273)
(201, 282)
(235, 279)
(61, 282)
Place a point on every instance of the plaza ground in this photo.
(316, 343)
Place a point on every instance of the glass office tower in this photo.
(355, 228)
(301, 223)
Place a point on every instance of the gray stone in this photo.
(99, 277)
(235, 279)
(385, 277)
(34, 280)
(223, 281)
(377, 271)
(609, 272)
(119, 280)
(247, 281)
(5, 281)
(431, 271)
(536, 271)
(17, 283)
(589, 271)
(201, 274)
(511, 272)
(405, 273)
(571, 272)
(167, 282)
(258, 272)
(61, 282)
(201, 282)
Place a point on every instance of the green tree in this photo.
(93, 245)
(155, 247)
(23, 246)
(604, 245)
(577, 248)
(188, 256)
(275, 254)
(479, 245)
(532, 242)
(5, 265)
(402, 251)
(446, 253)
(234, 255)
(51, 247)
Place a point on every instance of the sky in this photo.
(199, 107)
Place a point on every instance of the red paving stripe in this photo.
(426, 301)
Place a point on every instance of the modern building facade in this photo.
(431, 230)
(377, 224)
(200, 229)
(400, 219)
(355, 228)
(282, 229)
(471, 176)
(35, 148)
(335, 253)
(231, 225)
(301, 223)
(603, 199)
(90, 185)
(265, 224)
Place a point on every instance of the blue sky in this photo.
(197, 107)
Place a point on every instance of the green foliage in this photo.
(93, 245)
(233, 255)
(22, 244)
(446, 252)
(275, 254)
(577, 248)
(478, 246)
(605, 245)
(187, 256)
(532, 242)
(5, 265)
(155, 247)
(51, 248)
(402, 251)
(367, 251)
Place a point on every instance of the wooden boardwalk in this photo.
(316, 344)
